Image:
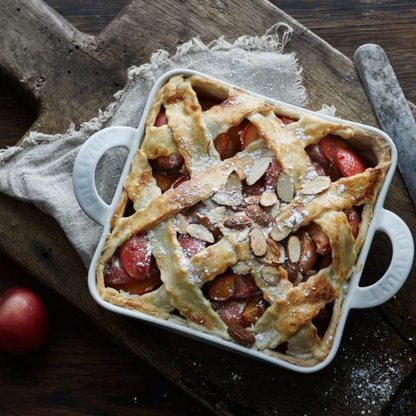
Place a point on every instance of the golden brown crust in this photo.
(191, 132)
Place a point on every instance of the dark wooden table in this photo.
(80, 371)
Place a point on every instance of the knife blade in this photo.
(391, 108)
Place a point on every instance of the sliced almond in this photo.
(229, 198)
(277, 250)
(203, 220)
(274, 211)
(200, 232)
(258, 243)
(209, 204)
(285, 188)
(231, 195)
(237, 222)
(258, 170)
(268, 199)
(270, 259)
(241, 335)
(316, 185)
(199, 214)
(259, 215)
(181, 223)
(280, 232)
(234, 182)
(206, 222)
(217, 215)
(293, 249)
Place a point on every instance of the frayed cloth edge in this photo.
(274, 40)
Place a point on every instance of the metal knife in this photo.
(390, 106)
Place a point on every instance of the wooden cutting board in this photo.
(71, 75)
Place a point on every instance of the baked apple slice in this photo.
(179, 181)
(136, 255)
(319, 169)
(253, 311)
(191, 245)
(163, 181)
(245, 287)
(221, 143)
(317, 155)
(287, 120)
(163, 163)
(233, 286)
(223, 288)
(272, 173)
(347, 163)
(323, 246)
(234, 145)
(249, 135)
(354, 219)
(330, 145)
(161, 119)
(230, 311)
(140, 287)
(115, 273)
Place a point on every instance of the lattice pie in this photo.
(242, 219)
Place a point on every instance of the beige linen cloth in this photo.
(40, 170)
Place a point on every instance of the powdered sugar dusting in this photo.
(296, 218)
(310, 174)
(371, 371)
(372, 379)
(300, 135)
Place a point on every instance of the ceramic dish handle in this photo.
(400, 265)
(86, 163)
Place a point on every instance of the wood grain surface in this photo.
(228, 384)
(80, 371)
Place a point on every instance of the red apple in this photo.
(24, 322)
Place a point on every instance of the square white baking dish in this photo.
(357, 297)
